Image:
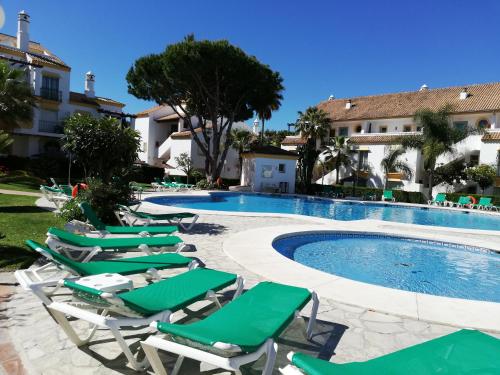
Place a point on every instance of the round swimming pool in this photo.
(338, 210)
(416, 265)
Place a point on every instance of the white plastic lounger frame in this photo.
(153, 343)
(58, 199)
(290, 369)
(61, 311)
(87, 253)
(79, 227)
(128, 218)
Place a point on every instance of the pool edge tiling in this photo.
(253, 249)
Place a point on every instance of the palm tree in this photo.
(313, 124)
(240, 140)
(437, 138)
(338, 153)
(392, 163)
(270, 104)
(16, 98)
(5, 140)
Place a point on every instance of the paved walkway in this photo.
(18, 192)
(344, 333)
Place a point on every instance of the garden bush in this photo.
(144, 173)
(363, 192)
(453, 197)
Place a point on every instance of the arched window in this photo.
(483, 124)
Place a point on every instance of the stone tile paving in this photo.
(343, 334)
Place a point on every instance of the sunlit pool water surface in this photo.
(338, 210)
(421, 266)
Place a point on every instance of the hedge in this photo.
(365, 192)
(453, 197)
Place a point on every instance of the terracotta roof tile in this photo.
(374, 139)
(146, 112)
(78, 97)
(482, 98)
(291, 140)
(492, 136)
(270, 150)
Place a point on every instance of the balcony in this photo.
(51, 94)
(54, 127)
(395, 176)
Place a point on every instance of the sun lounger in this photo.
(104, 229)
(484, 204)
(462, 352)
(36, 279)
(66, 242)
(237, 334)
(462, 202)
(54, 195)
(138, 307)
(129, 217)
(388, 196)
(440, 200)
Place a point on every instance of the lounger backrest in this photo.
(70, 238)
(388, 194)
(67, 189)
(484, 201)
(54, 256)
(91, 216)
(440, 197)
(464, 200)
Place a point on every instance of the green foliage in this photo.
(275, 137)
(483, 174)
(185, 164)
(144, 173)
(451, 173)
(5, 140)
(203, 184)
(453, 197)
(437, 138)
(366, 192)
(102, 197)
(210, 81)
(335, 155)
(100, 145)
(392, 163)
(16, 98)
(241, 140)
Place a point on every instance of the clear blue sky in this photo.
(345, 48)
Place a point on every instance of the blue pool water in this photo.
(421, 266)
(338, 210)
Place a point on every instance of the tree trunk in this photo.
(337, 169)
(262, 133)
(431, 182)
(240, 160)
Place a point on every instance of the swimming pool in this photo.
(338, 210)
(416, 265)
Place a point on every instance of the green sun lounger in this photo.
(462, 352)
(239, 333)
(138, 307)
(60, 240)
(462, 202)
(440, 200)
(484, 204)
(388, 196)
(105, 229)
(36, 279)
(129, 217)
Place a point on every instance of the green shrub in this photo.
(365, 192)
(70, 211)
(144, 173)
(453, 197)
(203, 184)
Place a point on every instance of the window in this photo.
(267, 171)
(144, 147)
(483, 124)
(50, 88)
(407, 128)
(382, 129)
(281, 168)
(363, 160)
(460, 125)
(474, 160)
(344, 131)
(359, 128)
(332, 132)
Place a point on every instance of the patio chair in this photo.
(103, 229)
(462, 202)
(129, 217)
(484, 204)
(388, 196)
(67, 243)
(440, 200)
(237, 334)
(138, 307)
(462, 352)
(36, 279)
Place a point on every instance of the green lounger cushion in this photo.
(124, 266)
(180, 215)
(51, 189)
(388, 194)
(113, 243)
(171, 294)
(99, 225)
(440, 198)
(462, 352)
(262, 312)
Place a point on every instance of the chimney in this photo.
(464, 94)
(424, 87)
(348, 104)
(23, 26)
(89, 84)
(331, 97)
(256, 125)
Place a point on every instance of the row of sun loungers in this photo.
(484, 203)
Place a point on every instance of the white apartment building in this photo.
(49, 78)
(165, 136)
(374, 123)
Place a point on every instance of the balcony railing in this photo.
(51, 94)
(55, 127)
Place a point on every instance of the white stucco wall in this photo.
(253, 173)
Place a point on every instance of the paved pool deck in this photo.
(345, 332)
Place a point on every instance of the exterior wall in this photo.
(253, 173)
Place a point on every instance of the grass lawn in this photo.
(21, 183)
(20, 220)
